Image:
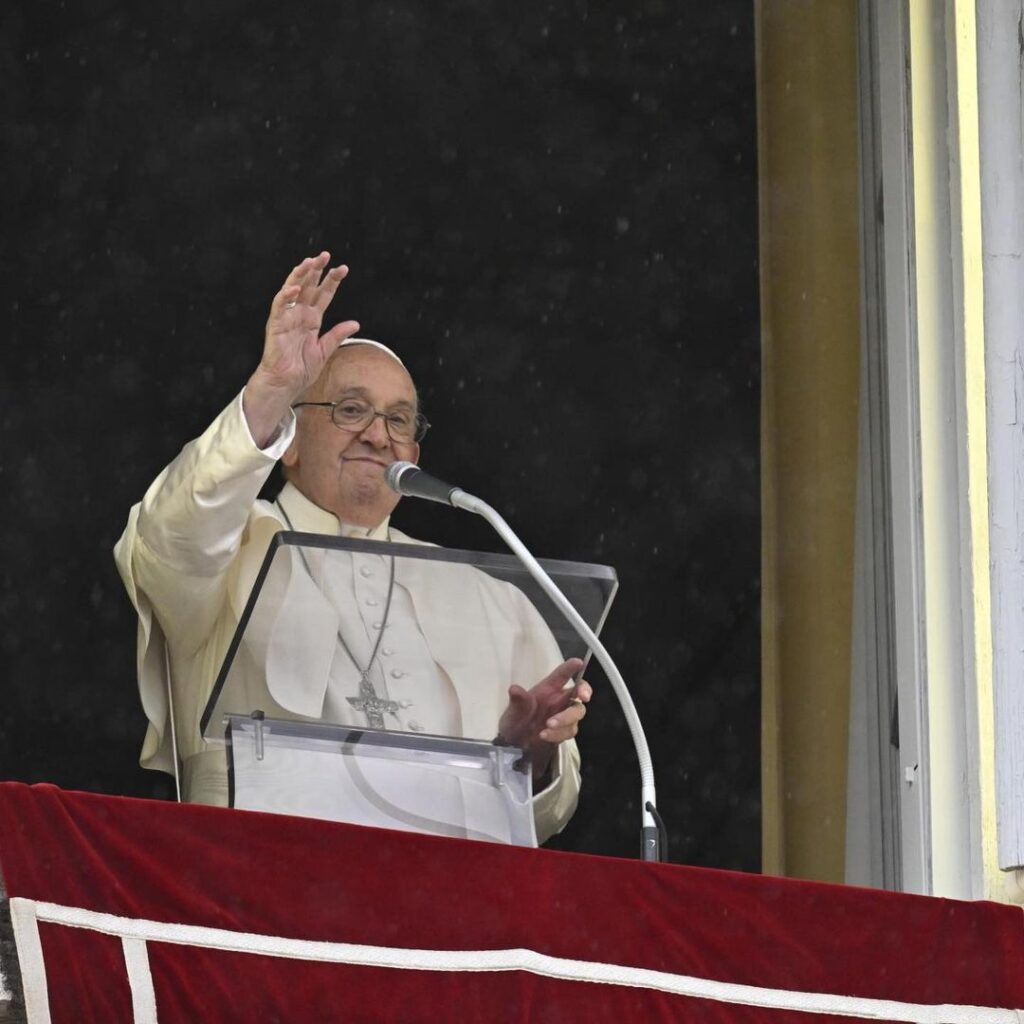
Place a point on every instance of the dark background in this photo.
(549, 210)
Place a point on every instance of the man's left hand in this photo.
(549, 713)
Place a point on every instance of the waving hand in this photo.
(294, 350)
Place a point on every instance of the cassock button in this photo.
(416, 727)
(405, 703)
(397, 673)
(386, 651)
(372, 602)
(366, 571)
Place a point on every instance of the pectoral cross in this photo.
(371, 705)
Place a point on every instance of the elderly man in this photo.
(337, 411)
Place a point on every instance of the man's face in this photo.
(340, 470)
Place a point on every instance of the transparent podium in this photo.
(366, 680)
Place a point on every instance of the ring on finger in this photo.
(290, 305)
(576, 700)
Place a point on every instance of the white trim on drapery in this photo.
(136, 932)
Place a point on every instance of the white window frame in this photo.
(1001, 109)
(926, 529)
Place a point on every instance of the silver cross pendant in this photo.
(374, 707)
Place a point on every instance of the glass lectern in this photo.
(366, 680)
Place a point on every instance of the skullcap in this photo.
(375, 344)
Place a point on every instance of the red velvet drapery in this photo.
(295, 878)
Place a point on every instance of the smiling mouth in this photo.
(364, 458)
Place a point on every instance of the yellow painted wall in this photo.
(810, 307)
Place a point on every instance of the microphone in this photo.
(407, 478)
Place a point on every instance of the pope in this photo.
(336, 411)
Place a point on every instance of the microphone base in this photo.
(650, 844)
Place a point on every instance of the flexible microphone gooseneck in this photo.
(408, 479)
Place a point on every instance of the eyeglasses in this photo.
(356, 416)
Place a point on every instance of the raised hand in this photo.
(294, 350)
(549, 713)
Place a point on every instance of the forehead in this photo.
(382, 379)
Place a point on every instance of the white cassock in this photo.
(189, 556)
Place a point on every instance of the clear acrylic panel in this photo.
(441, 635)
(450, 787)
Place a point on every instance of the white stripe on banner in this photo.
(517, 960)
(140, 980)
(30, 960)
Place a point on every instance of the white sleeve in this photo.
(178, 544)
(536, 653)
(192, 516)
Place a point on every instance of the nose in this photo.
(376, 432)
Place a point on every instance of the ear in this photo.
(291, 456)
(415, 457)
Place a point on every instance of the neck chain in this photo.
(368, 701)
